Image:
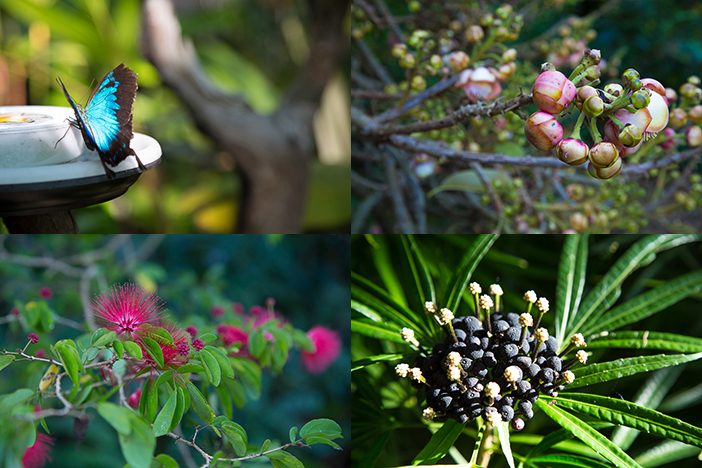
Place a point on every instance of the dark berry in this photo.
(551, 345)
(500, 326)
(445, 401)
(524, 406)
(462, 418)
(477, 354)
(454, 388)
(523, 362)
(507, 351)
(506, 412)
(546, 375)
(460, 334)
(513, 319)
(508, 400)
(484, 342)
(489, 359)
(513, 334)
(524, 386)
(489, 409)
(472, 394)
(473, 341)
(471, 382)
(435, 392)
(466, 363)
(540, 360)
(554, 363)
(472, 324)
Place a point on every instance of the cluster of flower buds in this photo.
(628, 113)
(493, 364)
(685, 117)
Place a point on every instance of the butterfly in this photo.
(106, 120)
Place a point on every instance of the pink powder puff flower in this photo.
(46, 293)
(217, 311)
(231, 335)
(40, 353)
(134, 399)
(327, 346)
(174, 355)
(261, 315)
(38, 454)
(33, 338)
(192, 330)
(126, 308)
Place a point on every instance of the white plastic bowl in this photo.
(29, 136)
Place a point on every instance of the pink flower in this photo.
(192, 331)
(126, 308)
(134, 399)
(198, 344)
(217, 311)
(262, 315)
(231, 335)
(33, 338)
(15, 311)
(46, 293)
(238, 308)
(174, 355)
(40, 353)
(268, 336)
(38, 454)
(327, 346)
(479, 84)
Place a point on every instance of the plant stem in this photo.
(485, 451)
(578, 124)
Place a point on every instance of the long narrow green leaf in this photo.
(562, 460)
(439, 444)
(470, 261)
(555, 438)
(650, 396)
(629, 414)
(420, 272)
(666, 453)
(376, 330)
(380, 252)
(503, 435)
(162, 424)
(681, 400)
(571, 281)
(647, 340)
(587, 434)
(640, 254)
(646, 304)
(605, 371)
(370, 360)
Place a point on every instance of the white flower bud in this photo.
(492, 389)
(578, 340)
(408, 335)
(429, 413)
(541, 334)
(475, 288)
(454, 358)
(526, 320)
(402, 369)
(486, 302)
(430, 307)
(542, 305)
(496, 290)
(494, 418)
(568, 377)
(530, 296)
(581, 356)
(513, 374)
(445, 316)
(415, 374)
(454, 373)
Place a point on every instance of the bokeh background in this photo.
(306, 275)
(246, 47)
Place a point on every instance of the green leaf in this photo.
(370, 360)
(418, 267)
(375, 330)
(119, 348)
(235, 436)
(164, 461)
(11, 400)
(190, 368)
(68, 354)
(587, 434)
(133, 349)
(180, 408)
(283, 459)
(266, 445)
(666, 453)
(605, 371)
(200, 405)
(571, 281)
(385, 266)
(6, 361)
(116, 416)
(119, 368)
(321, 428)
(225, 364)
(150, 398)
(647, 340)
(154, 350)
(640, 254)
(293, 434)
(646, 304)
(214, 373)
(104, 339)
(138, 446)
(208, 337)
(97, 336)
(439, 444)
(158, 334)
(162, 424)
(629, 414)
(562, 460)
(469, 262)
(503, 435)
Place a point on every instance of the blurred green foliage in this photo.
(193, 189)
(306, 275)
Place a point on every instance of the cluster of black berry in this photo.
(494, 369)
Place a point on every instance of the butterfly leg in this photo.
(108, 172)
(142, 168)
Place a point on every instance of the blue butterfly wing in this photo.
(108, 115)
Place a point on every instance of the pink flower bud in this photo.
(33, 338)
(134, 399)
(217, 311)
(543, 130)
(198, 344)
(669, 141)
(192, 330)
(572, 152)
(553, 92)
(479, 84)
(46, 293)
(693, 136)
